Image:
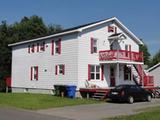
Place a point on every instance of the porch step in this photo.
(100, 95)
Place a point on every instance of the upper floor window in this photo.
(42, 46)
(94, 45)
(56, 46)
(36, 47)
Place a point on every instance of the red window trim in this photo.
(63, 69)
(37, 73)
(102, 72)
(56, 69)
(32, 48)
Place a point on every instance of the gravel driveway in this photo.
(98, 111)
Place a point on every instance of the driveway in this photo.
(98, 111)
(18, 114)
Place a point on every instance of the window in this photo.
(127, 48)
(42, 46)
(94, 72)
(58, 46)
(127, 72)
(59, 69)
(34, 73)
(93, 45)
(32, 48)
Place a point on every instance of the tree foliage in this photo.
(146, 54)
(27, 28)
(155, 59)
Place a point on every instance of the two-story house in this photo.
(101, 54)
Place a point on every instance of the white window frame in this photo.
(60, 69)
(95, 72)
(34, 73)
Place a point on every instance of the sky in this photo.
(142, 17)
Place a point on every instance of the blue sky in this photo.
(142, 17)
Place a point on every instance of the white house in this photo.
(96, 55)
(155, 72)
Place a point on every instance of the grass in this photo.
(38, 101)
(147, 114)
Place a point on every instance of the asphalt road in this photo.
(17, 114)
(99, 111)
(81, 112)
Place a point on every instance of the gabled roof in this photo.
(154, 67)
(81, 28)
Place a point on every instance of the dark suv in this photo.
(129, 93)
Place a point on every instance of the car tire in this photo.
(130, 99)
(148, 98)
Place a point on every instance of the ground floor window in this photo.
(60, 69)
(34, 73)
(127, 72)
(94, 72)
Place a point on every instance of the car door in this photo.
(133, 92)
(140, 93)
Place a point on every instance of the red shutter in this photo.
(56, 69)
(102, 72)
(31, 74)
(59, 46)
(89, 69)
(29, 47)
(32, 48)
(91, 45)
(36, 72)
(63, 69)
(52, 48)
(43, 46)
(37, 47)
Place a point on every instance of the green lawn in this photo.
(147, 114)
(38, 101)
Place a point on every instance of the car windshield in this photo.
(120, 87)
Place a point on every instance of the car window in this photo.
(119, 87)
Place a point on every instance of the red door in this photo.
(112, 77)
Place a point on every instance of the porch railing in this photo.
(111, 55)
(148, 81)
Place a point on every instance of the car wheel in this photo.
(148, 98)
(130, 99)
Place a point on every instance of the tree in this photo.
(146, 54)
(27, 28)
(155, 59)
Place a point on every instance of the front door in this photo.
(112, 76)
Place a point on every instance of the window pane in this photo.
(92, 75)
(60, 69)
(97, 76)
(97, 68)
(95, 43)
(95, 49)
(92, 68)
